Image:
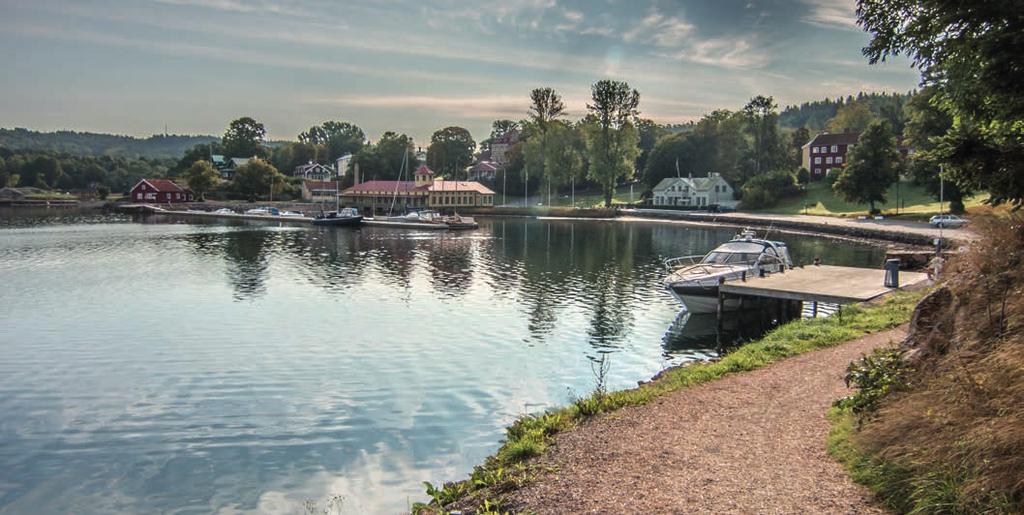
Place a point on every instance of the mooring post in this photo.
(814, 309)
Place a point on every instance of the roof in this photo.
(217, 158)
(424, 169)
(695, 183)
(484, 166)
(389, 186)
(310, 166)
(455, 186)
(162, 185)
(320, 185)
(843, 138)
(239, 161)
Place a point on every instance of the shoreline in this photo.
(520, 460)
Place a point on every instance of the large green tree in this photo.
(612, 140)
(926, 124)
(383, 159)
(256, 178)
(201, 177)
(871, 168)
(797, 139)
(853, 117)
(450, 151)
(339, 138)
(546, 108)
(766, 151)
(244, 138)
(970, 52)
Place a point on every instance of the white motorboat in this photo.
(261, 211)
(294, 214)
(694, 280)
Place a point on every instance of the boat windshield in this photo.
(734, 253)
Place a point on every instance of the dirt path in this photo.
(748, 443)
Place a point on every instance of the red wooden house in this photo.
(160, 190)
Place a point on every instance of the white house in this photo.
(691, 192)
(313, 171)
(341, 165)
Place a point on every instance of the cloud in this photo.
(724, 52)
(237, 6)
(660, 30)
(486, 107)
(832, 13)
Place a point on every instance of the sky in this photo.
(413, 66)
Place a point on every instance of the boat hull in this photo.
(701, 300)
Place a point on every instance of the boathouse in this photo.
(425, 191)
(160, 190)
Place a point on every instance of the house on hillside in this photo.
(313, 171)
(317, 191)
(425, 191)
(160, 190)
(693, 192)
(826, 151)
(227, 172)
(501, 145)
(482, 171)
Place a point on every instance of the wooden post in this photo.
(814, 309)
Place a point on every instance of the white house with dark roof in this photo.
(693, 192)
(313, 171)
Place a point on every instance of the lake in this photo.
(162, 366)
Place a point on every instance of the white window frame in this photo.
(828, 160)
(835, 148)
(817, 160)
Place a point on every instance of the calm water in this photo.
(162, 366)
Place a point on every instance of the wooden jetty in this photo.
(822, 283)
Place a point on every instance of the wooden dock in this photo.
(824, 283)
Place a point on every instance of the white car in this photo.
(951, 221)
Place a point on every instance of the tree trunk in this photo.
(608, 196)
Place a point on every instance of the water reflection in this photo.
(281, 364)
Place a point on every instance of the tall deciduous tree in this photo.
(502, 128)
(450, 151)
(244, 138)
(612, 141)
(871, 168)
(970, 52)
(853, 117)
(383, 159)
(256, 178)
(766, 151)
(797, 139)
(926, 124)
(339, 138)
(201, 178)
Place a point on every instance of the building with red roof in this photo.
(160, 190)
(424, 192)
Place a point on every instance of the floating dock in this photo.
(272, 218)
(822, 283)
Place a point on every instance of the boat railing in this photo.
(673, 263)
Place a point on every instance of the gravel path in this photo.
(747, 443)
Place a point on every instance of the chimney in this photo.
(355, 167)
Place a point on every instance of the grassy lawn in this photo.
(820, 199)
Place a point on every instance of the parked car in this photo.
(951, 221)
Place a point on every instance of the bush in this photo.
(803, 176)
(766, 189)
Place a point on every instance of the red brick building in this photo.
(160, 190)
(827, 151)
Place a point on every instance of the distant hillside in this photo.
(814, 115)
(88, 143)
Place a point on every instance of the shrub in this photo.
(766, 189)
(875, 376)
(803, 176)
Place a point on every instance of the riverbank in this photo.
(534, 441)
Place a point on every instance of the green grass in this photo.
(903, 489)
(914, 201)
(530, 435)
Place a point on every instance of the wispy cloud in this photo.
(724, 52)
(659, 29)
(831, 13)
(238, 6)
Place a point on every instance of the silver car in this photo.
(951, 221)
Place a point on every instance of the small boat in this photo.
(261, 211)
(293, 214)
(694, 280)
(461, 223)
(346, 217)
(224, 211)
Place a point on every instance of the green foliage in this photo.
(79, 144)
(530, 435)
(853, 117)
(244, 138)
(767, 150)
(797, 139)
(255, 179)
(803, 176)
(871, 167)
(969, 52)
(816, 114)
(875, 376)
(556, 152)
(545, 106)
(102, 192)
(612, 140)
(767, 189)
(450, 151)
(201, 177)
(338, 138)
(383, 160)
